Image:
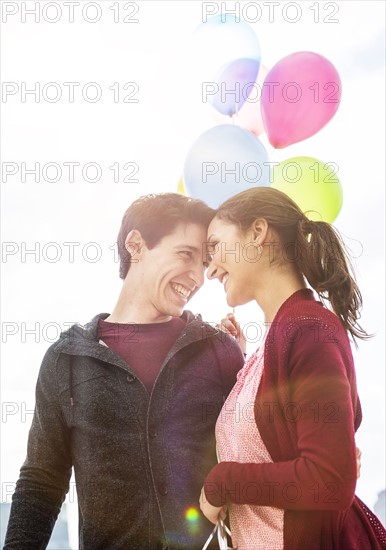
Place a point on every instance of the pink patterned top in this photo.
(239, 440)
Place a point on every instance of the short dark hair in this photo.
(157, 215)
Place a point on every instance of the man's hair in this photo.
(156, 216)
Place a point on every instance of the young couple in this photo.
(139, 401)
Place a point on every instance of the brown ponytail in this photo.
(316, 248)
(325, 263)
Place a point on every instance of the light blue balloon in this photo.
(224, 161)
(225, 38)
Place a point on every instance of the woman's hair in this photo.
(315, 247)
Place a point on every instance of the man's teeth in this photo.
(224, 279)
(181, 290)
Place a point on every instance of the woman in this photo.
(285, 436)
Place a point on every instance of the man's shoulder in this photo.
(77, 334)
(209, 330)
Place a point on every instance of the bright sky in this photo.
(153, 135)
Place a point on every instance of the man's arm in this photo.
(45, 474)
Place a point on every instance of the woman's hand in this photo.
(231, 326)
(212, 513)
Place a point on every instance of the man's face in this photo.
(172, 271)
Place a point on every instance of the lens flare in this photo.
(192, 515)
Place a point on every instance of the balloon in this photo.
(225, 53)
(312, 184)
(231, 87)
(224, 161)
(249, 116)
(181, 187)
(301, 93)
(222, 39)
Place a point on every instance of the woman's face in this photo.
(234, 261)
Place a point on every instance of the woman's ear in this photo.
(134, 244)
(259, 230)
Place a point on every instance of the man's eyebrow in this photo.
(189, 246)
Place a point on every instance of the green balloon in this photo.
(312, 184)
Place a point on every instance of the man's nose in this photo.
(212, 271)
(197, 274)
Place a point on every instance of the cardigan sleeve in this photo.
(323, 473)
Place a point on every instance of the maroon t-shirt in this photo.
(143, 346)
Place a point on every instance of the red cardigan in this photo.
(307, 411)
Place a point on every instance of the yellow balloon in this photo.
(181, 187)
(312, 184)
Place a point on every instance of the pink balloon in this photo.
(301, 93)
(249, 116)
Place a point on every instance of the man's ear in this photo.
(134, 244)
(260, 230)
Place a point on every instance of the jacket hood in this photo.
(83, 339)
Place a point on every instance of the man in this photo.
(130, 401)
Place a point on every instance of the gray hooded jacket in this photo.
(139, 460)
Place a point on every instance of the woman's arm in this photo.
(323, 474)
